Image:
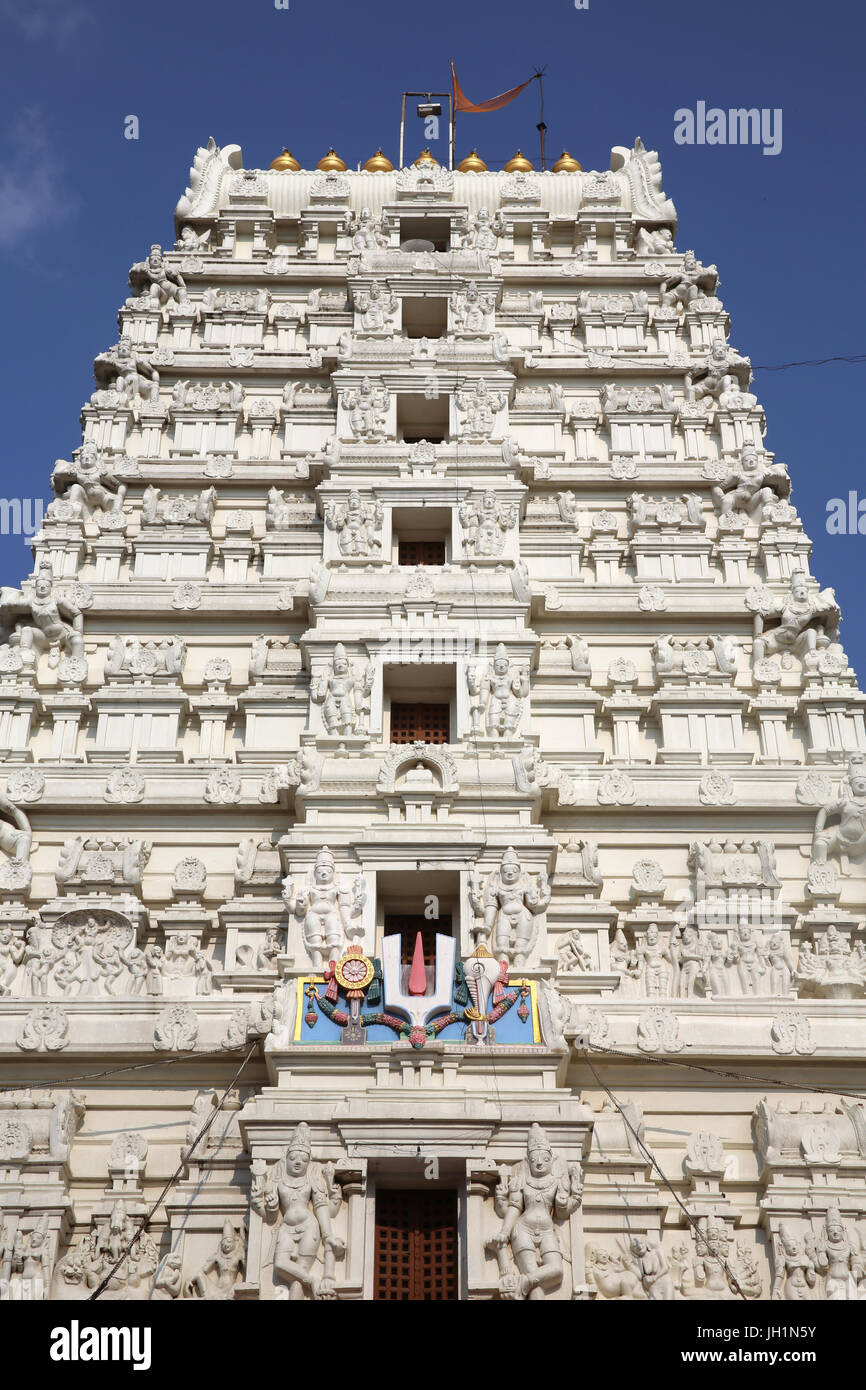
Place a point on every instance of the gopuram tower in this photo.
(433, 788)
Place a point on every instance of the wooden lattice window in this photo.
(407, 926)
(421, 552)
(427, 723)
(416, 1245)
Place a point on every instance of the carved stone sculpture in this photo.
(55, 624)
(531, 1198)
(329, 915)
(304, 1197)
(218, 1275)
(847, 840)
(805, 621)
(750, 485)
(344, 695)
(485, 523)
(358, 525)
(513, 903)
(497, 694)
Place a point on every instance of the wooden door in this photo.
(416, 1245)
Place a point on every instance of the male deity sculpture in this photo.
(848, 839)
(656, 963)
(160, 281)
(344, 695)
(750, 485)
(471, 309)
(288, 1191)
(132, 375)
(25, 1264)
(805, 622)
(366, 232)
(358, 525)
(479, 408)
(691, 280)
(367, 409)
(483, 232)
(795, 1272)
(377, 307)
(330, 916)
(512, 903)
(718, 374)
(497, 694)
(218, 1275)
(841, 1259)
(485, 523)
(537, 1193)
(56, 624)
(86, 484)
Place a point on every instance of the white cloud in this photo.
(33, 195)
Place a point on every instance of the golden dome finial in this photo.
(285, 163)
(426, 157)
(332, 163)
(379, 163)
(472, 164)
(519, 164)
(567, 164)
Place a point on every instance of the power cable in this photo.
(651, 1159)
(175, 1177)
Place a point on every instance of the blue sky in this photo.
(79, 203)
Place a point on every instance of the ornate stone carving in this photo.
(330, 915)
(716, 789)
(532, 1198)
(304, 1198)
(485, 523)
(44, 1029)
(847, 840)
(791, 1033)
(658, 1031)
(497, 693)
(478, 409)
(358, 525)
(616, 789)
(806, 622)
(514, 904)
(217, 1277)
(45, 619)
(176, 1029)
(344, 694)
(223, 787)
(25, 784)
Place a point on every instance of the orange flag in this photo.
(462, 103)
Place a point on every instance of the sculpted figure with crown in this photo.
(538, 1191)
(295, 1185)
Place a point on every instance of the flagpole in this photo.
(541, 127)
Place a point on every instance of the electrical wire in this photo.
(725, 1074)
(652, 1160)
(118, 1071)
(175, 1177)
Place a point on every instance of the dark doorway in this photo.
(416, 1245)
(408, 925)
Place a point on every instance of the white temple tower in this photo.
(421, 692)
